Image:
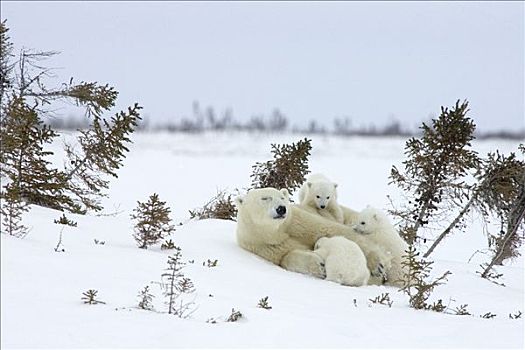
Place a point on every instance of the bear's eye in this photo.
(266, 198)
(362, 222)
(328, 197)
(318, 197)
(282, 198)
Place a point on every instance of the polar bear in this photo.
(350, 216)
(269, 226)
(344, 261)
(319, 195)
(375, 225)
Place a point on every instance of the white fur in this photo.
(319, 195)
(349, 215)
(345, 263)
(289, 240)
(375, 226)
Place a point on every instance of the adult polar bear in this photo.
(269, 226)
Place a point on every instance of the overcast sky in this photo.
(370, 61)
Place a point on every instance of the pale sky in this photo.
(312, 60)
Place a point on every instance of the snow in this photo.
(41, 289)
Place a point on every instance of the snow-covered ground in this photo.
(41, 289)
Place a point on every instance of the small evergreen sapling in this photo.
(263, 303)
(64, 220)
(98, 242)
(167, 245)
(515, 316)
(416, 285)
(287, 169)
(89, 297)
(145, 299)
(219, 207)
(175, 284)
(234, 316)
(462, 310)
(11, 210)
(383, 299)
(210, 263)
(152, 221)
(488, 315)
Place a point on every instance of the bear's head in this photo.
(263, 206)
(321, 193)
(370, 220)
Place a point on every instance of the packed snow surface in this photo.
(41, 289)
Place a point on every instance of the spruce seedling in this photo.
(152, 221)
(234, 316)
(416, 285)
(287, 169)
(89, 297)
(175, 284)
(263, 303)
(145, 299)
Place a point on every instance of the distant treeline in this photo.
(209, 120)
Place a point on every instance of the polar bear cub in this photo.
(345, 263)
(319, 195)
(376, 226)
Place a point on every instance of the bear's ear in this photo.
(238, 201)
(285, 192)
(375, 217)
(309, 184)
(335, 185)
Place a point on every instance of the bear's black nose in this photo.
(281, 210)
(323, 206)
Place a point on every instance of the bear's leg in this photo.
(306, 262)
(377, 261)
(376, 280)
(378, 274)
(396, 275)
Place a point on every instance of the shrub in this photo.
(219, 207)
(152, 221)
(416, 285)
(64, 220)
(287, 169)
(89, 297)
(145, 299)
(433, 176)
(175, 284)
(167, 245)
(263, 304)
(234, 316)
(11, 210)
(25, 100)
(383, 299)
